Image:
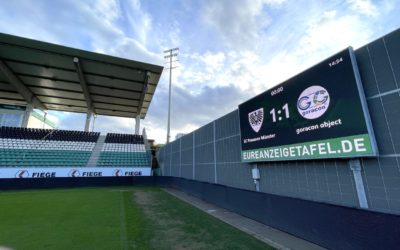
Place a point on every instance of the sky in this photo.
(229, 50)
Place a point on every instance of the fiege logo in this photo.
(77, 173)
(74, 173)
(25, 174)
(118, 172)
(22, 174)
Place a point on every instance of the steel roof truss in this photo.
(146, 82)
(25, 92)
(82, 80)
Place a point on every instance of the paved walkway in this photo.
(269, 235)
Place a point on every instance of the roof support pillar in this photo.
(44, 118)
(27, 115)
(88, 118)
(137, 125)
(94, 121)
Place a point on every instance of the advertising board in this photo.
(320, 113)
(54, 172)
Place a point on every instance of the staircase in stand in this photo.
(92, 162)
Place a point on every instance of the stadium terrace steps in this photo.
(45, 144)
(47, 134)
(27, 147)
(124, 138)
(137, 159)
(96, 151)
(42, 158)
(123, 150)
(45, 147)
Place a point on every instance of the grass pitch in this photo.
(111, 218)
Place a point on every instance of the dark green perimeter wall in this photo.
(212, 153)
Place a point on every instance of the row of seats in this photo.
(45, 147)
(44, 144)
(123, 147)
(48, 134)
(58, 148)
(124, 138)
(123, 150)
(34, 157)
(123, 159)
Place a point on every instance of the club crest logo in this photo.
(256, 119)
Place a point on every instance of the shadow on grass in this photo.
(157, 220)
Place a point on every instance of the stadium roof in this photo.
(54, 77)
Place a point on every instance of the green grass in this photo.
(61, 219)
(111, 218)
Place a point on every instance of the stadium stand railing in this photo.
(45, 147)
(123, 150)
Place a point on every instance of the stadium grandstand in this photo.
(44, 147)
(335, 186)
(123, 150)
(35, 76)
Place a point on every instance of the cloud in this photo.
(139, 22)
(245, 70)
(212, 61)
(330, 33)
(219, 69)
(238, 23)
(103, 124)
(67, 120)
(229, 50)
(365, 7)
(189, 111)
(132, 49)
(13, 20)
(109, 124)
(94, 25)
(109, 10)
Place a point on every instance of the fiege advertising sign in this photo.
(72, 172)
(320, 113)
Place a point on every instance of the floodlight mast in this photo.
(170, 55)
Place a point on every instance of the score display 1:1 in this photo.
(279, 111)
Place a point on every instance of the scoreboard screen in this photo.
(320, 113)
